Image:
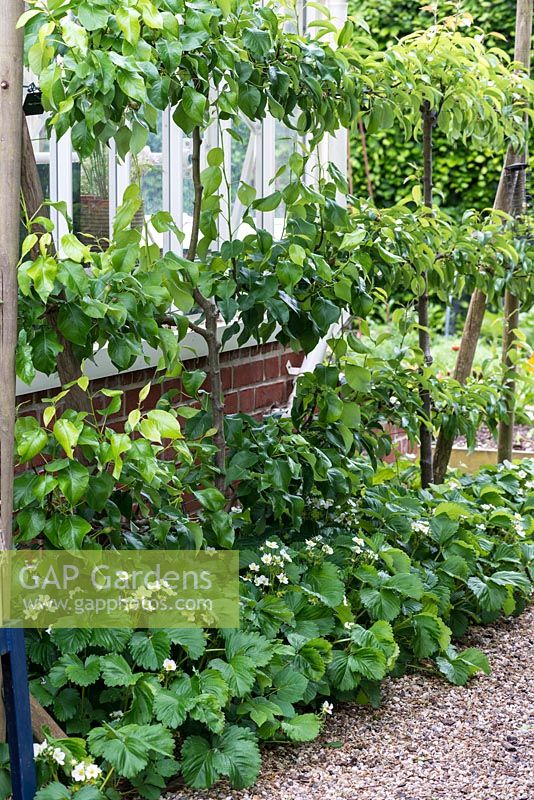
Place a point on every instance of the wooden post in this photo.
(12, 649)
(11, 77)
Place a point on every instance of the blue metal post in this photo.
(18, 715)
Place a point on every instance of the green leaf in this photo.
(290, 685)
(66, 704)
(53, 791)
(210, 499)
(239, 673)
(30, 438)
(368, 662)
(211, 178)
(458, 668)
(430, 634)
(132, 85)
(116, 671)
(30, 522)
(268, 203)
(160, 425)
(257, 41)
(171, 709)
(74, 249)
(73, 323)
(302, 728)
(194, 105)
(358, 378)
(43, 273)
(170, 52)
(341, 672)
(381, 603)
(234, 754)
(24, 360)
(67, 435)
(150, 648)
(92, 17)
(71, 531)
(82, 138)
(70, 640)
(128, 22)
(491, 596)
(193, 640)
(73, 481)
(408, 584)
(126, 749)
(323, 582)
(46, 347)
(79, 672)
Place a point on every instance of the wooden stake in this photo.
(11, 78)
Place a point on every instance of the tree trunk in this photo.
(209, 332)
(477, 305)
(425, 435)
(68, 366)
(511, 302)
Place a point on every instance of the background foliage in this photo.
(463, 178)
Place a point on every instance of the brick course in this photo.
(255, 379)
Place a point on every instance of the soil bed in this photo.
(523, 439)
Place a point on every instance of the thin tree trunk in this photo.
(477, 305)
(68, 366)
(210, 332)
(511, 301)
(425, 435)
(509, 344)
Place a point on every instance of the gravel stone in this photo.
(428, 741)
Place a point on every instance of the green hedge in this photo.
(463, 178)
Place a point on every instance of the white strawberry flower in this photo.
(327, 708)
(271, 545)
(169, 665)
(78, 773)
(254, 567)
(59, 756)
(92, 772)
(39, 749)
(282, 578)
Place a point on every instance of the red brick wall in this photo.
(255, 380)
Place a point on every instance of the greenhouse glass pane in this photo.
(90, 189)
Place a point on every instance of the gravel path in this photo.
(428, 741)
